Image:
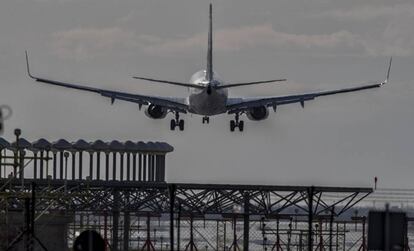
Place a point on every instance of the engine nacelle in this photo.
(156, 112)
(258, 113)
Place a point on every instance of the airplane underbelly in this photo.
(208, 105)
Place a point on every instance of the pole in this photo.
(27, 221)
(115, 223)
(172, 202)
(235, 232)
(178, 227)
(310, 217)
(331, 220)
(246, 222)
(363, 234)
(126, 230)
(32, 215)
(17, 132)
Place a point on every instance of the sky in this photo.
(342, 140)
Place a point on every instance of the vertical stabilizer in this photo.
(209, 73)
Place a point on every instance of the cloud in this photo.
(368, 12)
(234, 39)
(83, 43)
(397, 39)
(391, 36)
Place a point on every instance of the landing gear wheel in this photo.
(241, 125)
(177, 122)
(236, 123)
(206, 120)
(172, 125)
(232, 125)
(181, 125)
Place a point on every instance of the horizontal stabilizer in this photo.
(250, 83)
(170, 82)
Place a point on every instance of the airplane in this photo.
(209, 95)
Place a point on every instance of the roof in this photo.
(83, 145)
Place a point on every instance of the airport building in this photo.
(51, 192)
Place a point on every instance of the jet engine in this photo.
(156, 112)
(258, 113)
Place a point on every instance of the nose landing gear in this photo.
(236, 123)
(177, 122)
(206, 120)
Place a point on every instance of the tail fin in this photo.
(209, 73)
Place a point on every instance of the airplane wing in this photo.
(174, 104)
(236, 105)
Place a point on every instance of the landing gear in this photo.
(206, 120)
(177, 122)
(232, 125)
(236, 123)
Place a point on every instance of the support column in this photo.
(121, 167)
(21, 164)
(98, 165)
(178, 227)
(1, 158)
(128, 170)
(150, 168)
(91, 165)
(134, 166)
(113, 165)
(60, 164)
(246, 219)
(106, 166)
(73, 165)
(160, 166)
(115, 221)
(144, 168)
(32, 214)
(80, 165)
(171, 191)
(34, 165)
(310, 217)
(331, 220)
(41, 165)
(127, 221)
(153, 167)
(140, 167)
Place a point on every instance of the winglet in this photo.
(28, 67)
(388, 73)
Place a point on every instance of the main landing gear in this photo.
(236, 123)
(206, 120)
(177, 122)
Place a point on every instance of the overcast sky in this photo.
(317, 44)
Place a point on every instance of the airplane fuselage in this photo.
(207, 101)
